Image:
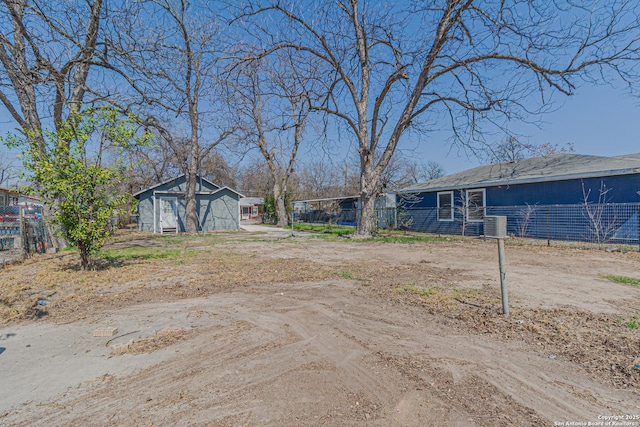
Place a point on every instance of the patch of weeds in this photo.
(411, 288)
(327, 237)
(421, 291)
(344, 274)
(632, 323)
(334, 230)
(182, 239)
(348, 275)
(631, 281)
(467, 292)
(403, 239)
(134, 254)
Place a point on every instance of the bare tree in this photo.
(388, 68)
(420, 171)
(511, 149)
(7, 168)
(46, 50)
(254, 179)
(402, 172)
(461, 209)
(602, 218)
(322, 178)
(274, 103)
(152, 164)
(216, 169)
(170, 64)
(526, 215)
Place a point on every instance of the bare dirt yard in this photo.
(256, 328)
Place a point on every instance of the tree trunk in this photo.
(54, 230)
(366, 215)
(370, 187)
(85, 261)
(281, 207)
(191, 214)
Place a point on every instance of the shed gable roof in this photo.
(177, 178)
(220, 190)
(538, 169)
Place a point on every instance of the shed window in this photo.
(475, 205)
(445, 206)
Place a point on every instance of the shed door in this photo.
(168, 213)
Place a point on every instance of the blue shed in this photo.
(562, 196)
(162, 206)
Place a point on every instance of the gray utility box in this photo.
(495, 227)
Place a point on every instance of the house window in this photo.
(445, 206)
(475, 205)
(254, 211)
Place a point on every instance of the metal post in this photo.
(292, 222)
(24, 242)
(548, 228)
(503, 277)
(638, 235)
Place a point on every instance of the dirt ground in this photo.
(257, 328)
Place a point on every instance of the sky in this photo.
(598, 120)
(601, 121)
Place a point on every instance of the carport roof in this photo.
(555, 167)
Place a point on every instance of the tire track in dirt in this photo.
(331, 353)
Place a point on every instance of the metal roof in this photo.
(555, 167)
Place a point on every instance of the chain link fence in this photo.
(22, 232)
(611, 223)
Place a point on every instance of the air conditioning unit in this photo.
(495, 227)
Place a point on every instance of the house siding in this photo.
(216, 211)
(219, 211)
(567, 198)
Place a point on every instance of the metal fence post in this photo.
(548, 227)
(23, 235)
(503, 277)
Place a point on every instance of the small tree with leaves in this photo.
(75, 173)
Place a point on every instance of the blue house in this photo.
(162, 207)
(561, 196)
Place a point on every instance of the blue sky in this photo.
(600, 120)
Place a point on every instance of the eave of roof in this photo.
(327, 199)
(198, 193)
(166, 181)
(557, 167)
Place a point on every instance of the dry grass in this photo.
(139, 270)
